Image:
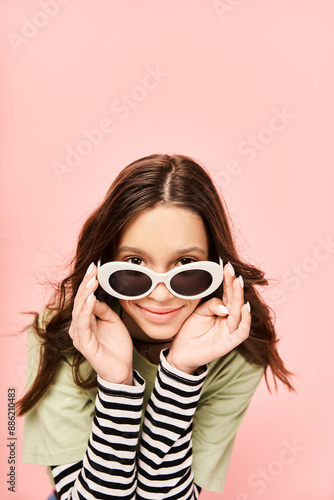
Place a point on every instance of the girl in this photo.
(142, 366)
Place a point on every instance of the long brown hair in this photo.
(149, 181)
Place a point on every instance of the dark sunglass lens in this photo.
(192, 282)
(130, 282)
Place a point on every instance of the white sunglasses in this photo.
(128, 281)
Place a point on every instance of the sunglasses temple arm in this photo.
(221, 263)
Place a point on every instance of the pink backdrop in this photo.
(246, 87)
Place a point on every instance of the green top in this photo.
(57, 429)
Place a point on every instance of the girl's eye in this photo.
(135, 260)
(186, 260)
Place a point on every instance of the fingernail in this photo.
(90, 282)
(89, 298)
(241, 281)
(230, 268)
(90, 268)
(223, 309)
(249, 307)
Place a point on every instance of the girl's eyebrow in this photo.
(140, 251)
(126, 249)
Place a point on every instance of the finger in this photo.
(83, 321)
(229, 277)
(88, 285)
(90, 273)
(93, 323)
(84, 326)
(242, 332)
(105, 313)
(210, 308)
(237, 303)
(223, 311)
(83, 307)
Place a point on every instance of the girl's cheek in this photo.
(192, 306)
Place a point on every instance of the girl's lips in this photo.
(159, 315)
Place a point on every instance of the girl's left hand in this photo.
(209, 333)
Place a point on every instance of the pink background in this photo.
(226, 73)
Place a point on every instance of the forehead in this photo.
(164, 229)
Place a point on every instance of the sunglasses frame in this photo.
(105, 271)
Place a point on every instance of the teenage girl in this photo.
(143, 364)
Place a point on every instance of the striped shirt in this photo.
(121, 462)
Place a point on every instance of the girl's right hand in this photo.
(100, 335)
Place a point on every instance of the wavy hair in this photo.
(147, 182)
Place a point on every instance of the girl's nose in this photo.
(161, 293)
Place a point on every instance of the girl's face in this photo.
(160, 238)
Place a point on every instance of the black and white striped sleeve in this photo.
(165, 452)
(108, 469)
(162, 470)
